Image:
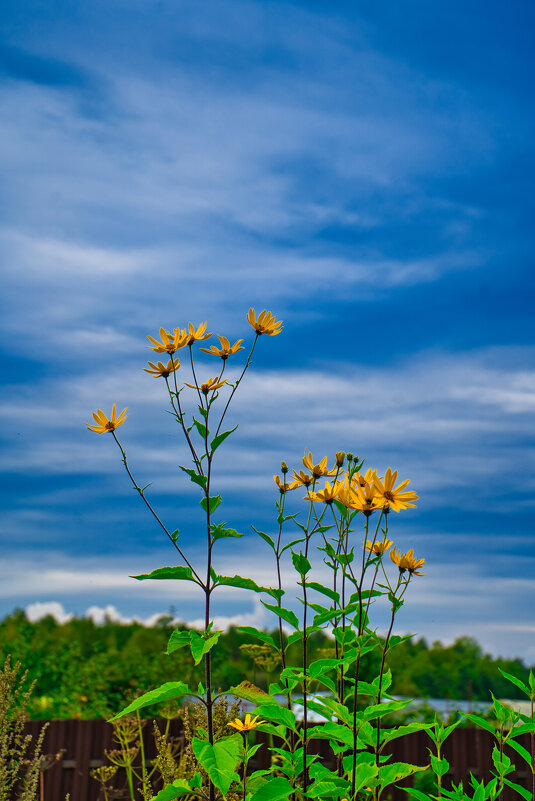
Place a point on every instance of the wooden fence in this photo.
(85, 742)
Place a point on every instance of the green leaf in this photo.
(166, 692)
(321, 666)
(332, 730)
(502, 763)
(259, 634)
(219, 532)
(523, 791)
(517, 682)
(440, 766)
(202, 645)
(301, 563)
(416, 794)
(273, 790)
(219, 760)
(216, 442)
(277, 714)
(250, 692)
(523, 752)
(444, 733)
(314, 585)
(242, 582)
(345, 558)
(293, 542)
(175, 790)
(265, 537)
(380, 710)
(286, 614)
(324, 789)
(387, 735)
(178, 639)
(341, 508)
(174, 535)
(180, 573)
(211, 503)
(364, 596)
(388, 774)
(481, 722)
(364, 774)
(524, 728)
(201, 428)
(197, 478)
(397, 639)
(295, 636)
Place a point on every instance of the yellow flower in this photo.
(377, 548)
(247, 725)
(210, 386)
(393, 497)
(340, 458)
(102, 422)
(225, 350)
(284, 487)
(170, 341)
(265, 324)
(319, 469)
(160, 370)
(364, 498)
(367, 478)
(193, 335)
(406, 561)
(327, 495)
(302, 478)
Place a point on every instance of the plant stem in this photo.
(247, 363)
(149, 506)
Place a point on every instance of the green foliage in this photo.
(19, 755)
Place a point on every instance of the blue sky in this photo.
(364, 172)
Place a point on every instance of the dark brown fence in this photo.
(85, 742)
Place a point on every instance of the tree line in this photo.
(85, 670)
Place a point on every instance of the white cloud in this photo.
(39, 610)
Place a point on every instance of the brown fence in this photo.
(85, 741)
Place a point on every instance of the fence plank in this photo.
(85, 741)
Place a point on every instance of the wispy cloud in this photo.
(165, 164)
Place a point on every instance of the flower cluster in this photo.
(365, 492)
(177, 338)
(361, 492)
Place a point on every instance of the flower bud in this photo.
(284, 467)
(349, 457)
(340, 457)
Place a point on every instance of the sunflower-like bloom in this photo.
(283, 486)
(346, 490)
(327, 495)
(265, 324)
(246, 725)
(378, 548)
(317, 470)
(161, 370)
(406, 561)
(226, 349)
(302, 479)
(366, 478)
(365, 499)
(210, 386)
(193, 334)
(102, 422)
(169, 341)
(393, 497)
